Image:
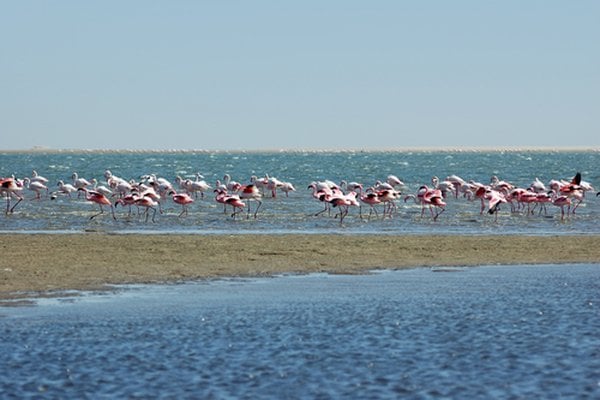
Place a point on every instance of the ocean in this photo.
(479, 332)
(296, 212)
(501, 332)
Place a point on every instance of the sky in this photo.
(266, 75)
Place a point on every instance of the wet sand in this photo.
(40, 264)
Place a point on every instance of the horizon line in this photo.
(44, 149)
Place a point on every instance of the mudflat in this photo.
(39, 264)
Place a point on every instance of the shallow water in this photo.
(486, 332)
(296, 212)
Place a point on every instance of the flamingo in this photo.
(80, 183)
(199, 185)
(574, 190)
(435, 198)
(538, 186)
(561, 201)
(273, 184)
(102, 189)
(98, 198)
(149, 203)
(232, 199)
(351, 186)
(251, 192)
(458, 183)
(500, 185)
(542, 199)
(65, 188)
(372, 199)
(394, 181)
(9, 187)
(495, 198)
(261, 183)
(35, 186)
(231, 186)
(287, 187)
(388, 198)
(320, 191)
(128, 200)
(343, 201)
(183, 199)
(35, 177)
(429, 197)
(151, 193)
(445, 186)
(120, 186)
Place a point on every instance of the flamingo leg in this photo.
(257, 207)
(101, 212)
(236, 211)
(576, 205)
(438, 214)
(14, 205)
(183, 210)
(323, 210)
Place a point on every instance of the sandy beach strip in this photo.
(39, 264)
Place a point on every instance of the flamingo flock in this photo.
(147, 196)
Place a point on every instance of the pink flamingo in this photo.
(573, 190)
(98, 198)
(230, 199)
(388, 198)
(251, 192)
(184, 200)
(343, 202)
(9, 187)
(561, 201)
(372, 199)
(542, 199)
(419, 198)
(431, 198)
(435, 198)
(128, 200)
(458, 184)
(495, 198)
(528, 197)
(321, 191)
(149, 204)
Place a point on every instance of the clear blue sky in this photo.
(257, 75)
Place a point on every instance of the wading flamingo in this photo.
(251, 192)
(9, 187)
(230, 199)
(149, 204)
(100, 199)
(183, 199)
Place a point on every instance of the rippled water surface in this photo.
(296, 212)
(487, 332)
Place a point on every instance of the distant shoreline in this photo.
(457, 149)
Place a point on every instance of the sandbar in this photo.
(34, 265)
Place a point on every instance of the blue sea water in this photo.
(488, 332)
(506, 332)
(296, 212)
